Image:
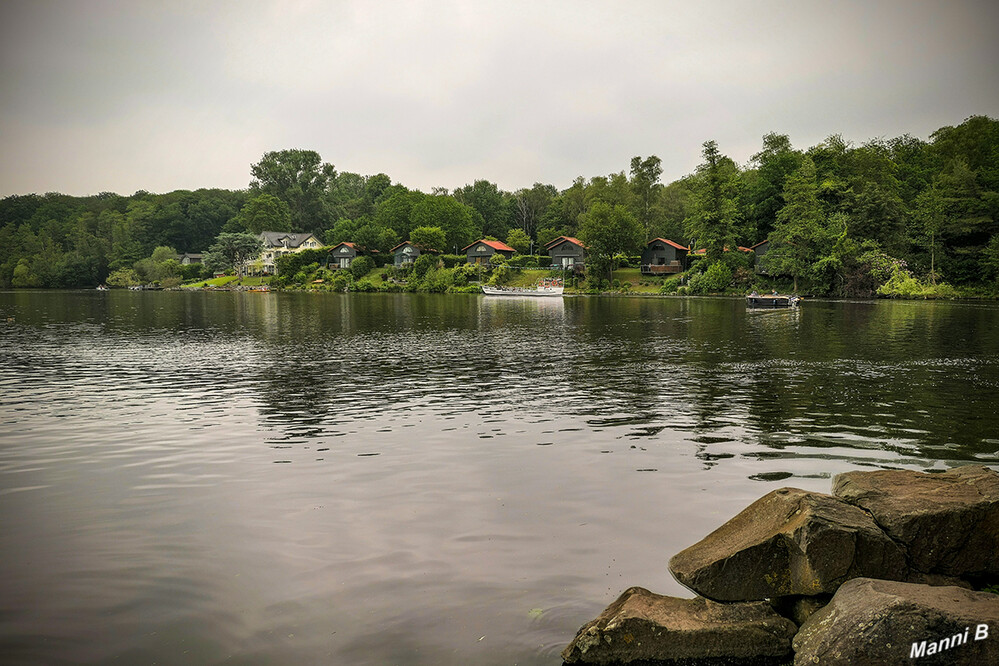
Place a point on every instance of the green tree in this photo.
(299, 178)
(361, 266)
(530, 206)
(645, 187)
(714, 213)
(454, 218)
(608, 231)
(774, 163)
(795, 242)
(494, 206)
(519, 241)
(265, 212)
(231, 251)
(429, 238)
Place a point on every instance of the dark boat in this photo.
(771, 301)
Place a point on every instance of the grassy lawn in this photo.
(634, 277)
(228, 279)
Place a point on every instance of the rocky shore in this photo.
(882, 571)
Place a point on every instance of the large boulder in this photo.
(788, 542)
(949, 522)
(642, 627)
(887, 622)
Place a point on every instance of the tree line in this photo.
(842, 219)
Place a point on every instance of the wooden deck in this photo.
(665, 269)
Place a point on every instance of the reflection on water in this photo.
(422, 479)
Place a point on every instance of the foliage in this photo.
(715, 279)
(519, 241)
(423, 264)
(123, 277)
(714, 213)
(361, 266)
(230, 251)
(903, 285)
(428, 238)
(299, 178)
(291, 262)
(264, 212)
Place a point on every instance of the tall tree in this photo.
(714, 215)
(796, 239)
(232, 251)
(265, 212)
(299, 178)
(645, 187)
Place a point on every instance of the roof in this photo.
(753, 247)
(422, 249)
(347, 243)
(277, 238)
(744, 249)
(550, 244)
(496, 245)
(669, 242)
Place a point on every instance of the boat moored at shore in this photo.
(547, 287)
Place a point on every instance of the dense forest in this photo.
(898, 217)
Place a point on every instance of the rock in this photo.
(799, 609)
(948, 522)
(788, 542)
(642, 626)
(887, 622)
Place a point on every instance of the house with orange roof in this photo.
(662, 256)
(482, 251)
(567, 253)
(342, 255)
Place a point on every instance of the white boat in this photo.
(546, 287)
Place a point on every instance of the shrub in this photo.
(363, 285)
(453, 260)
(525, 261)
(671, 285)
(361, 266)
(716, 278)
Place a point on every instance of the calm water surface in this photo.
(404, 479)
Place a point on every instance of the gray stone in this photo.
(645, 627)
(788, 542)
(887, 622)
(948, 522)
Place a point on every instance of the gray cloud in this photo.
(122, 96)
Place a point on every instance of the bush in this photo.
(525, 261)
(715, 279)
(453, 260)
(671, 285)
(903, 285)
(363, 285)
(423, 264)
(361, 266)
(340, 281)
(501, 275)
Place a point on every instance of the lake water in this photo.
(197, 478)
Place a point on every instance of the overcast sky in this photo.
(121, 96)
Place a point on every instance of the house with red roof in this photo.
(341, 255)
(567, 253)
(662, 256)
(482, 251)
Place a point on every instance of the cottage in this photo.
(662, 256)
(342, 255)
(567, 253)
(406, 253)
(189, 258)
(482, 251)
(277, 243)
(760, 249)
